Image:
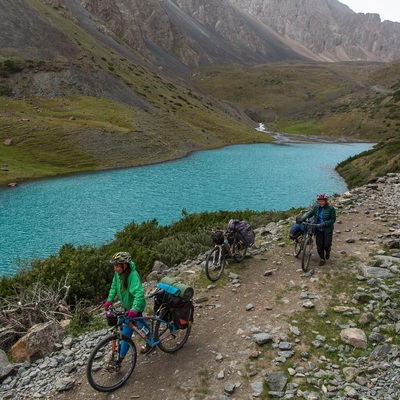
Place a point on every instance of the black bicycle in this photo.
(226, 244)
(106, 370)
(304, 244)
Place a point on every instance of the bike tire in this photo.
(102, 371)
(297, 245)
(215, 264)
(239, 250)
(171, 339)
(306, 256)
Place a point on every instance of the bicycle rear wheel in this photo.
(171, 339)
(105, 371)
(239, 249)
(306, 256)
(297, 246)
(215, 264)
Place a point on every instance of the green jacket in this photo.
(328, 216)
(133, 297)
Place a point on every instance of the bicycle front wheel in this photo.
(215, 264)
(297, 246)
(306, 256)
(239, 249)
(171, 339)
(105, 371)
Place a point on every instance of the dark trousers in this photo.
(324, 242)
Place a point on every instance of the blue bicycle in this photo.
(106, 370)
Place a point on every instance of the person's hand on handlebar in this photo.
(131, 314)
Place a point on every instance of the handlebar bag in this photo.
(217, 237)
(296, 230)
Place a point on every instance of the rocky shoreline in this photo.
(338, 372)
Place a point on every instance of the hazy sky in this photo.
(387, 9)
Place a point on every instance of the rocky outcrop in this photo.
(37, 343)
(249, 31)
(180, 35)
(328, 28)
(191, 34)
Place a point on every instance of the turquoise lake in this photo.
(38, 217)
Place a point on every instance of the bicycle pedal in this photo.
(151, 348)
(113, 367)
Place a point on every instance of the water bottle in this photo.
(227, 248)
(143, 327)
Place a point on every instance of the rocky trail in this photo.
(258, 331)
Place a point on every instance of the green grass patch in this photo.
(308, 128)
(83, 322)
(204, 383)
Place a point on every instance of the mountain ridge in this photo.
(57, 56)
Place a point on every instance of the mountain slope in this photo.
(329, 28)
(209, 32)
(94, 84)
(99, 105)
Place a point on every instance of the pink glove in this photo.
(131, 314)
(107, 304)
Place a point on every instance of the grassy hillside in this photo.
(357, 101)
(97, 105)
(104, 109)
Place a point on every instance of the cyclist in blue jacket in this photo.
(324, 215)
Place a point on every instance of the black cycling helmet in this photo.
(122, 257)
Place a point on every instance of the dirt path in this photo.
(221, 345)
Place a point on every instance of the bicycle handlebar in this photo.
(217, 229)
(309, 224)
(116, 311)
(119, 313)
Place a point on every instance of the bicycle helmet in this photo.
(322, 196)
(122, 257)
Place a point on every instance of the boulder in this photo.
(37, 343)
(354, 337)
(276, 381)
(6, 367)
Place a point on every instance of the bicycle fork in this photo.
(221, 254)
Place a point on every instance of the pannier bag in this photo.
(182, 312)
(218, 237)
(296, 230)
(245, 230)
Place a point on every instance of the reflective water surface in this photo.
(38, 217)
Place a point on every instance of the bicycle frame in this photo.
(307, 245)
(233, 247)
(308, 232)
(153, 318)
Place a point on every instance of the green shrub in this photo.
(86, 269)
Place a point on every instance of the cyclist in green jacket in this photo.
(127, 286)
(324, 215)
